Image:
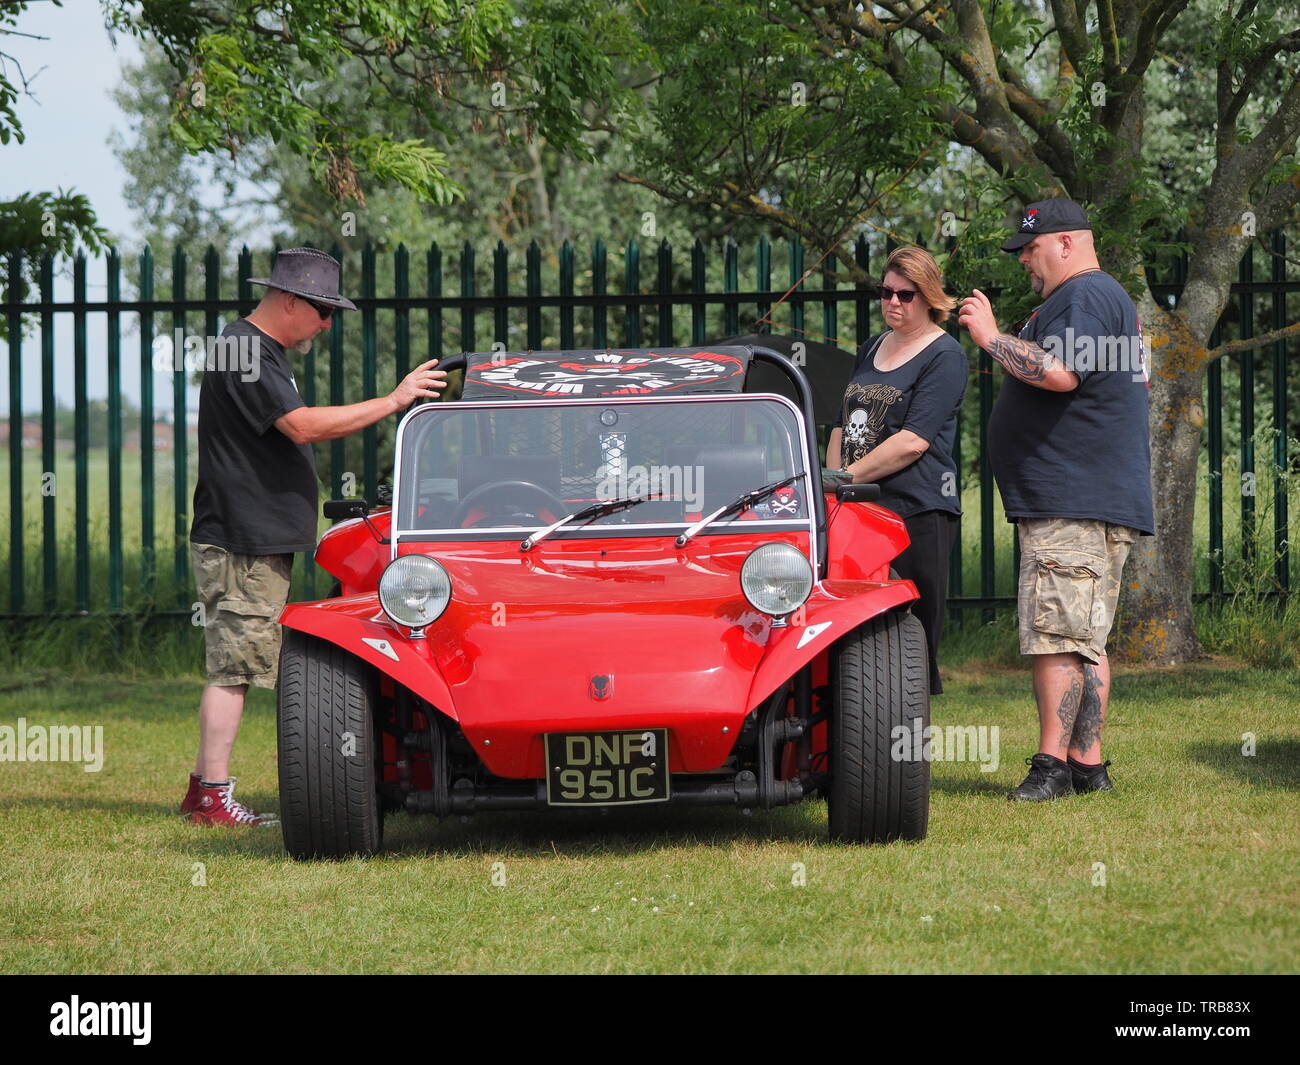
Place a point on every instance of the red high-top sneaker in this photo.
(217, 806)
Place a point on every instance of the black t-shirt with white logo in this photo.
(256, 493)
(923, 395)
(1085, 453)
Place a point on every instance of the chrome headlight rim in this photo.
(798, 580)
(435, 573)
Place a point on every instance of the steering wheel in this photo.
(491, 497)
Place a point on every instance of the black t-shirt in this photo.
(1081, 454)
(256, 493)
(922, 395)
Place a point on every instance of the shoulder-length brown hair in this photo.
(919, 267)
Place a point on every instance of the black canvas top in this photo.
(619, 372)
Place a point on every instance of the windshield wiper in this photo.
(739, 503)
(596, 510)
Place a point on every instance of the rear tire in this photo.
(881, 683)
(329, 744)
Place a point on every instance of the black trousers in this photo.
(925, 564)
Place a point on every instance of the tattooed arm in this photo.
(1020, 358)
(1032, 364)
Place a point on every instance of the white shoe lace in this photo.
(240, 812)
(237, 810)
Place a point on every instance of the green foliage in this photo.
(748, 113)
(10, 126)
(35, 224)
(245, 74)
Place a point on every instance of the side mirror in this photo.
(342, 509)
(857, 493)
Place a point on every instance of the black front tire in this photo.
(881, 683)
(329, 744)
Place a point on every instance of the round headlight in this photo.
(776, 579)
(414, 590)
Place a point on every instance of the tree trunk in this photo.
(1155, 621)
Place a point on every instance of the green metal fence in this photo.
(684, 304)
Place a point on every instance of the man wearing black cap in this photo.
(255, 500)
(1068, 440)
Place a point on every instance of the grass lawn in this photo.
(98, 875)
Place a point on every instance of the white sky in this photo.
(68, 123)
(67, 126)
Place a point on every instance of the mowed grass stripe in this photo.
(1198, 847)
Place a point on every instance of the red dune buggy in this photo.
(605, 579)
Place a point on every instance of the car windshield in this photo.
(495, 468)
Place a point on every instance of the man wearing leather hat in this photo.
(255, 501)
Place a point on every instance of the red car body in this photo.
(593, 632)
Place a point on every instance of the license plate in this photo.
(607, 768)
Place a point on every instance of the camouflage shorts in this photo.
(1069, 584)
(242, 597)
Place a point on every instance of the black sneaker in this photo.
(1049, 778)
(1089, 778)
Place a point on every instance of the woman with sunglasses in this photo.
(898, 425)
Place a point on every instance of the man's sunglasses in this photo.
(324, 311)
(904, 295)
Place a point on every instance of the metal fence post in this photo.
(632, 287)
(402, 314)
(369, 372)
(180, 439)
(148, 572)
(17, 528)
(1281, 544)
(730, 284)
(599, 334)
(567, 340)
(665, 289)
(699, 288)
(1246, 274)
(336, 394)
(81, 435)
(533, 287)
(49, 479)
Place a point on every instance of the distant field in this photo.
(1240, 575)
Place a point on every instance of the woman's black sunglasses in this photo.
(904, 295)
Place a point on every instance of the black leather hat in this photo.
(308, 273)
(1048, 216)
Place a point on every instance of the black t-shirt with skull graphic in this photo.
(923, 395)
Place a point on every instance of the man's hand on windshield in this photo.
(424, 382)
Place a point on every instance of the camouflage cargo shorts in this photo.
(1069, 584)
(242, 597)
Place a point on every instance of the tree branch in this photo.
(1109, 41)
(1236, 347)
(1069, 26)
(1054, 147)
(1278, 136)
(748, 205)
(1289, 42)
(1275, 208)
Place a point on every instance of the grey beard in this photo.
(303, 347)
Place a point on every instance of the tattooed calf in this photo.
(1068, 708)
(1087, 725)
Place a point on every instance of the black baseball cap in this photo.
(1058, 215)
